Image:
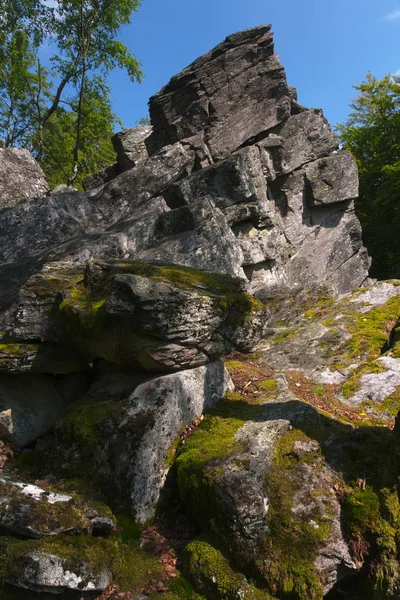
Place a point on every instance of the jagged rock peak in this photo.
(202, 97)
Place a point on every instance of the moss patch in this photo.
(213, 576)
(294, 538)
(197, 462)
(371, 331)
(353, 383)
(373, 525)
(85, 422)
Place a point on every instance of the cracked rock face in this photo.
(233, 175)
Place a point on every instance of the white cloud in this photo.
(393, 16)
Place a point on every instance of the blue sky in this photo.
(326, 46)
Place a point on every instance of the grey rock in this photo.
(131, 454)
(160, 317)
(30, 511)
(41, 568)
(376, 387)
(332, 179)
(243, 487)
(30, 405)
(233, 93)
(98, 179)
(62, 188)
(20, 177)
(130, 146)
(301, 139)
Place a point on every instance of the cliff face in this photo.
(227, 227)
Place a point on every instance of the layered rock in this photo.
(119, 302)
(236, 177)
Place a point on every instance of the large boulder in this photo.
(155, 316)
(21, 177)
(121, 435)
(261, 488)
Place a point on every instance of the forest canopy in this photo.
(61, 111)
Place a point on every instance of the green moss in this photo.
(282, 335)
(371, 330)
(390, 406)
(373, 524)
(97, 553)
(268, 385)
(81, 313)
(84, 423)
(186, 278)
(17, 350)
(198, 461)
(133, 567)
(294, 539)
(213, 576)
(179, 589)
(353, 383)
(130, 530)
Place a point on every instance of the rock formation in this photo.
(214, 268)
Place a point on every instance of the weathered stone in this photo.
(160, 317)
(270, 471)
(20, 177)
(129, 144)
(135, 431)
(98, 179)
(233, 93)
(332, 179)
(301, 139)
(54, 567)
(29, 511)
(30, 405)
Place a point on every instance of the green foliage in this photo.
(63, 115)
(372, 134)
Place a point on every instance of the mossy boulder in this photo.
(264, 493)
(58, 564)
(121, 440)
(213, 576)
(30, 511)
(160, 317)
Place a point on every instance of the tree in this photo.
(83, 35)
(95, 152)
(372, 134)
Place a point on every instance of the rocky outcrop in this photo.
(232, 94)
(236, 177)
(20, 177)
(227, 226)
